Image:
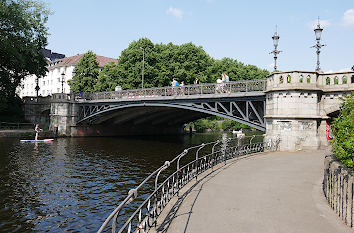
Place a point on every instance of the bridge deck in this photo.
(275, 192)
(143, 98)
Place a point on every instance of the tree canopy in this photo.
(162, 62)
(22, 36)
(86, 74)
(343, 128)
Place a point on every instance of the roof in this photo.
(72, 61)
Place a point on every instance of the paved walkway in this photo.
(272, 192)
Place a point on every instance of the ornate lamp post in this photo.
(275, 38)
(142, 70)
(318, 31)
(62, 82)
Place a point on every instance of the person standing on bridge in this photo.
(174, 86)
(197, 81)
(218, 85)
(182, 88)
(226, 80)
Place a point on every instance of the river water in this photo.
(72, 184)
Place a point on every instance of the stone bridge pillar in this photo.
(298, 105)
(63, 114)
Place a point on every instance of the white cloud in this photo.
(348, 18)
(178, 13)
(324, 23)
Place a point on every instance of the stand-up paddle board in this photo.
(40, 140)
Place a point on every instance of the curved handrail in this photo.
(180, 177)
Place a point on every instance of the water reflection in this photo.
(72, 184)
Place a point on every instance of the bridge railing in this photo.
(145, 216)
(187, 90)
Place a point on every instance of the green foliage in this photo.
(86, 74)
(22, 36)
(343, 128)
(216, 124)
(162, 62)
(105, 80)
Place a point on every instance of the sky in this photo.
(240, 30)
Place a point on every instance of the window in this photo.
(281, 80)
(344, 80)
(58, 80)
(336, 80)
(308, 79)
(301, 78)
(288, 79)
(328, 81)
(43, 83)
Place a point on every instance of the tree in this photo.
(235, 70)
(343, 128)
(106, 80)
(162, 62)
(86, 74)
(22, 36)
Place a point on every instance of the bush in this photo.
(343, 128)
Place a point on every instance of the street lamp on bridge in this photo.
(318, 31)
(275, 38)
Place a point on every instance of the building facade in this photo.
(55, 81)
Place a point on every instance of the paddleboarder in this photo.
(37, 129)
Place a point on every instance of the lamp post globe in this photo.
(275, 39)
(318, 31)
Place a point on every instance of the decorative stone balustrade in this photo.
(306, 80)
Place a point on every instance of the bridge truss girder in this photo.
(249, 111)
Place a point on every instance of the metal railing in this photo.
(187, 90)
(145, 216)
(17, 125)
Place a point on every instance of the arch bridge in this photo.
(167, 109)
(295, 106)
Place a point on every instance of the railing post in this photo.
(246, 86)
(196, 160)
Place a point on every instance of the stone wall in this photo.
(338, 188)
(300, 103)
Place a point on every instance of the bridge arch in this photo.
(248, 114)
